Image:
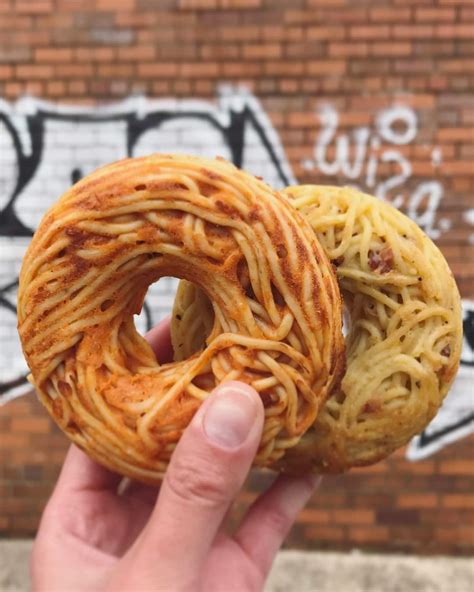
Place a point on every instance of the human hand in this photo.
(97, 536)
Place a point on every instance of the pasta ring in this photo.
(275, 299)
(403, 341)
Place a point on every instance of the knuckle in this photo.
(203, 483)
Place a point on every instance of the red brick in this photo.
(413, 31)
(457, 168)
(314, 516)
(467, 14)
(375, 31)
(324, 533)
(111, 5)
(34, 6)
(463, 134)
(324, 32)
(241, 69)
(457, 501)
(13, 89)
(455, 31)
(6, 72)
(198, 4)
(288, 68)
(74, 71)
(373, 534)
(14, 439)
(5, 6)
(435, 14)
(117, 70)
(323, 68)
(383, 14)
(455, 2)
(33, 71)
(219, 52)
(240, 3)
(458, 467)
(141, 53)
(239, 33)
(425, 467)
(379, 467)
(96, 54)
(263, 51)
(354, 49)
(390, 49)
(461, 65)
(34, 88)
(158, 69)
(77, 87)
(459, 535)
(199, 70)
(417, 500)
(353, 516)
(137, 19)
(29, 425)
(53, 55)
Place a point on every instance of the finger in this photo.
(160, 340)
(80, 473)
(206, 472)
(270, 518)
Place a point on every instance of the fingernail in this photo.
(229, 417)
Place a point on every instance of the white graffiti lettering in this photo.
(396, 126)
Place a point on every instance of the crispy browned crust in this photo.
(275, 298)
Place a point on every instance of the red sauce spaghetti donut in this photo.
(274, 296)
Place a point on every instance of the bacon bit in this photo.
(258, 178)
(374, 260)
(381, 261)
(446, 351)
(372, 406)
(282, 251)
(340, 260)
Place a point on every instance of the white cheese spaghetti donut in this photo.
(275, 300)
(404, 336)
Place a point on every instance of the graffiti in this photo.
(45, 147)
(455, 419)
(358, 156)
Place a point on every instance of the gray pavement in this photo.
(296, 571)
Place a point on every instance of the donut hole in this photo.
(158, 301)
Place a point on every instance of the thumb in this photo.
(206, 471)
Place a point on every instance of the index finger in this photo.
(81, 473)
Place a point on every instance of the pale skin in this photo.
(92, 538)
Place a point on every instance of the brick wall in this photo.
(311, 64)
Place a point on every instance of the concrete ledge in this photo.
(296, 571)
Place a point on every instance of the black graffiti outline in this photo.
(232, 134)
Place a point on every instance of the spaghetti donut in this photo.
(275, 300)
(404, 337)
